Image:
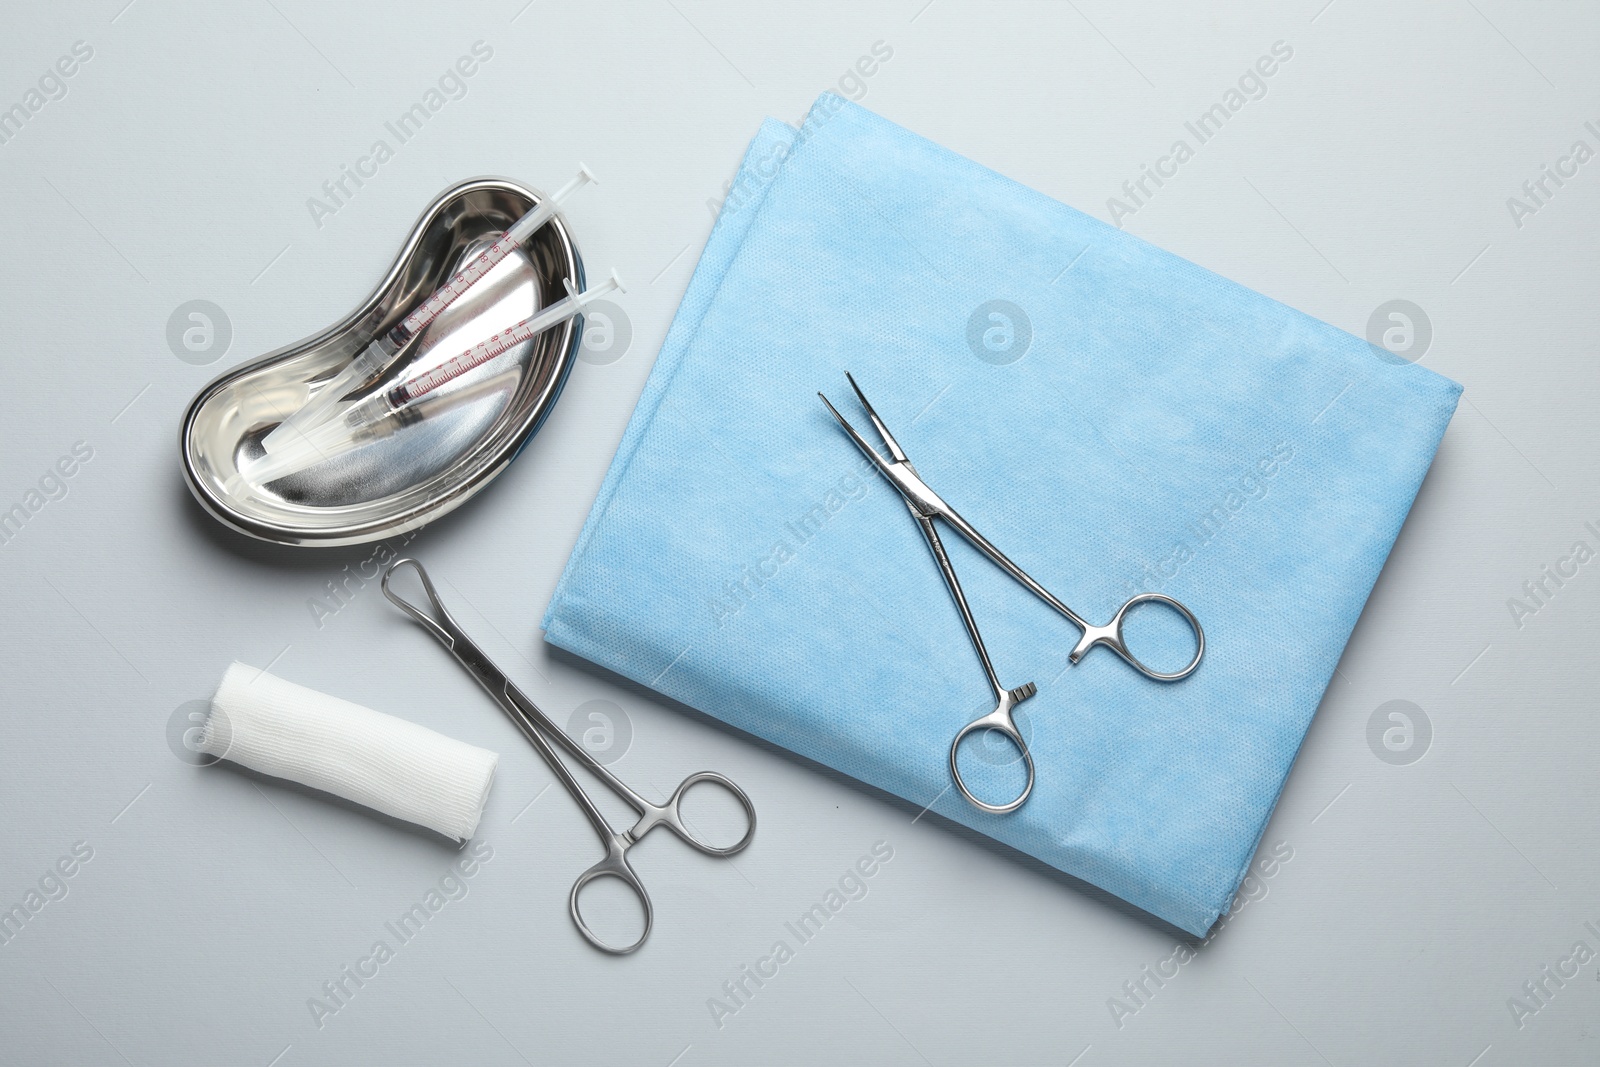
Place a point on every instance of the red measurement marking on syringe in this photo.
(475, 356)
(446, 295)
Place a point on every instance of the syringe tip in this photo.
(594, 292)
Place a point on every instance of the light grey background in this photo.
(1419, 898)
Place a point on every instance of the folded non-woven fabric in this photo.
(1113, 417)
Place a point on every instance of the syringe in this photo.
(382, 413)
(377, 355)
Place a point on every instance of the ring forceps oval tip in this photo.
(545, 735)
(925, 506)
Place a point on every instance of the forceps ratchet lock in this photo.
(925, 506)
(545, 735)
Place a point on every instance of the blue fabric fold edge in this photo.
(740, 206)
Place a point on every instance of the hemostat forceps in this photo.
(925, 506)
(539, 730)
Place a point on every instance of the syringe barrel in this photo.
(448, 293)
(490, 347)
(527, 225)
(518, 232)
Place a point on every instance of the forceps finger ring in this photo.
(670, 814)
(615, 865)
(1002, 721)
(1110, 635)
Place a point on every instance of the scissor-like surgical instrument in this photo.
(926, 506)
(545, 735)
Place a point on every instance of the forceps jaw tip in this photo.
(895, 451)
(897, 455)
(840, 419)
(851, 378)
(860, 442)
(438, 620)
(404, 561)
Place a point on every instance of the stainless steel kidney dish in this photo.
(427, 468)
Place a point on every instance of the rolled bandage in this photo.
(376, 760)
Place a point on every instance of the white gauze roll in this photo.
(377, 760)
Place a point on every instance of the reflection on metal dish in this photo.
(409, 478)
